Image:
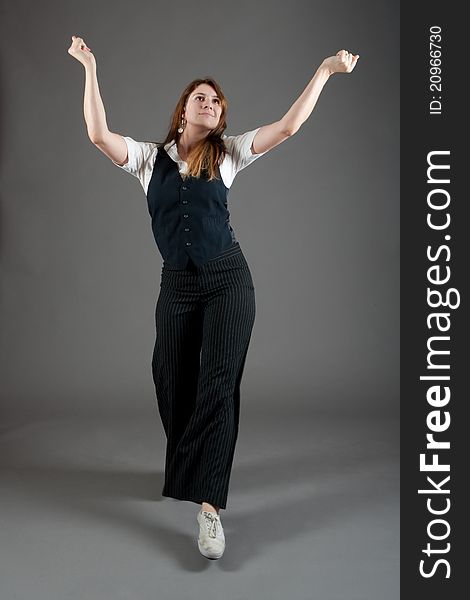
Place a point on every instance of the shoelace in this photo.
(211, 522)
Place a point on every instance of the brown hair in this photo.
(210, 151)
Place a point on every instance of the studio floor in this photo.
(312, 513)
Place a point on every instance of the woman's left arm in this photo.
(273, 134)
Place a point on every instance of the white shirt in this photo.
(142, 156)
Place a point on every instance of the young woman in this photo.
(206, 306)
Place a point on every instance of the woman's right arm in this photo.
(111, 144)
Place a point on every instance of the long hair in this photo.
(210, 151)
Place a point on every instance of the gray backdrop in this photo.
(317, 217)
(313, 505)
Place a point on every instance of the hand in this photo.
(342, 62)
(79, 50)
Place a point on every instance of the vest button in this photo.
(188, 243)
(185, 216)
(184, 201)
(186, 229)
(184, 187)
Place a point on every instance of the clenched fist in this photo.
(342, 62)
(79, 50)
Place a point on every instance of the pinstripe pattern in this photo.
(204, 318)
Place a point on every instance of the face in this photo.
(203, 107)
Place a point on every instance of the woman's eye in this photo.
(202, 98)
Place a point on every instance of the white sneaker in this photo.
(211, 541)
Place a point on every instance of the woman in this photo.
(206, 306)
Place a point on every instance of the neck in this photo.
(189, 138)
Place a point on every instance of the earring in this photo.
(181, 127)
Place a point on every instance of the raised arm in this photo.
(111, 144)
(273, 134)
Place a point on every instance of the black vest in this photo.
(189, 217)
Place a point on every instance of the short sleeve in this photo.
(141, 159)
(240, 149)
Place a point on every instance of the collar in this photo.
(169, 145)
(173, 143)
(172, 151)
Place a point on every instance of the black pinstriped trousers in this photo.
(204, 318)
